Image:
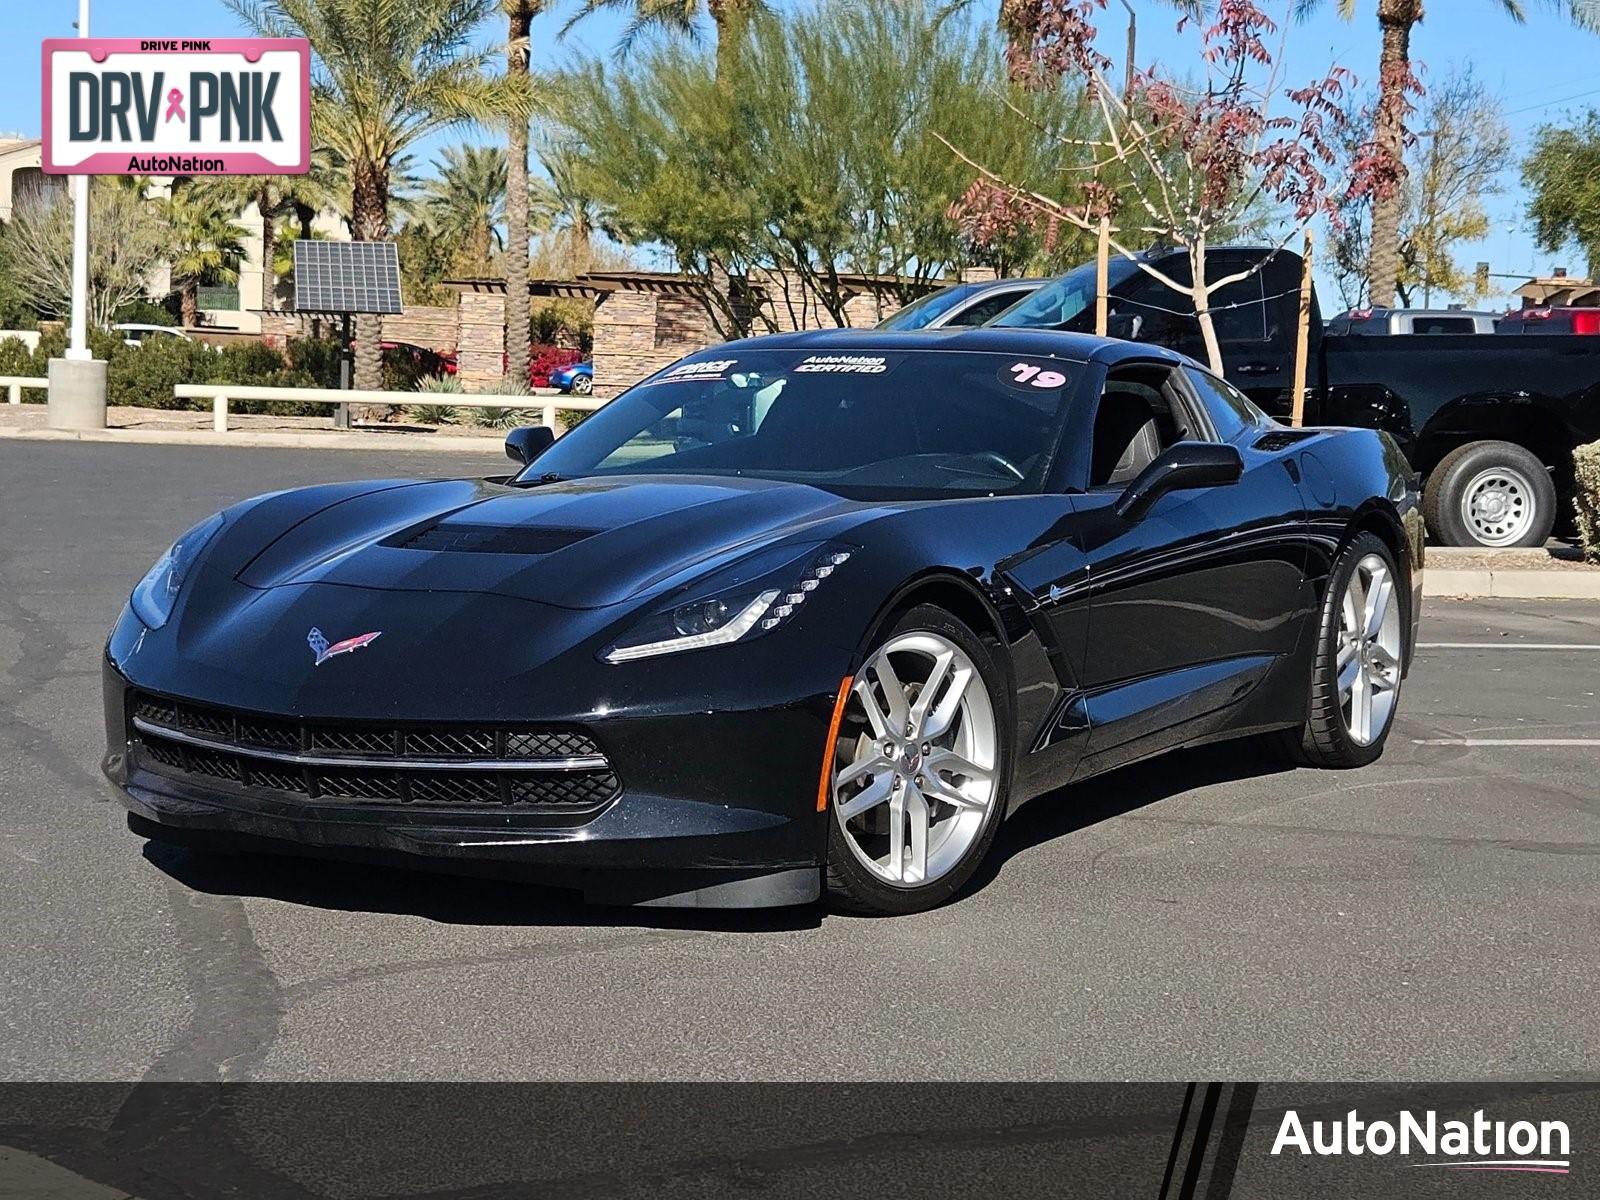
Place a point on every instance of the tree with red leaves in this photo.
(1191, 160)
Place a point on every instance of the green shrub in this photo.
(15, 357)
(505, 418)
(318, 358)
(1586, 471)
(434, 414)
(144, 376)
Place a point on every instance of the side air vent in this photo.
(1282, 439)
(489, 539)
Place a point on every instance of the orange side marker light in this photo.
(828, 746)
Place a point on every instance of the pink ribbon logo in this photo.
(175, 105)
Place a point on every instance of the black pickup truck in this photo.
(1489, 422)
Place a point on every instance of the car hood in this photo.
(581, 544)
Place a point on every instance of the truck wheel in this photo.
(1489, 494)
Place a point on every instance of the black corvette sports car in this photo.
(798, 615)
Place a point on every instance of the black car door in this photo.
(1189, 606)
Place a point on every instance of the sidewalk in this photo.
(1548, 573)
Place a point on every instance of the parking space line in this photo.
(1505, 741)
(1508, 646)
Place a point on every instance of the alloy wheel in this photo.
(1368, 659)
(1498, 506)
(914, 786)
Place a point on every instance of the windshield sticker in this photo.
(1032, 375)
(712, 369)
(843, 364)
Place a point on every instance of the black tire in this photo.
(1322, 740)
(583, 385)
(1448, 483)
(850, 887)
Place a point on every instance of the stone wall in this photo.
(437, 328)
(434, 326)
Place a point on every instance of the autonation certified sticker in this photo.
(843, 364)
(210, 106)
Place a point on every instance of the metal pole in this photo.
(78, 347)
(341, 412)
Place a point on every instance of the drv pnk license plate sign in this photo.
(171, 106)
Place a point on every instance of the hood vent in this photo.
(1282, 439)
(455, 538)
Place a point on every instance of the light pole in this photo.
(78, 343)
(77, 378)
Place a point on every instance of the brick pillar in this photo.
(481, 345)
(624, 341)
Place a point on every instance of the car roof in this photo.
(1081, 347)
(994, 285)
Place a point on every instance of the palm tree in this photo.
(1396, 20)
(205, 245)
(519, 20)
(679, 17)
(275, 196)
(466, 201)
(565, 204)
(386, 73)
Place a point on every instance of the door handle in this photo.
(1255, 368)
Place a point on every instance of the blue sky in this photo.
(1540, 70)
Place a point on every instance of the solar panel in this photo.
(346, 277)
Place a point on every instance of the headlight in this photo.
(157, 592)
(750, 598)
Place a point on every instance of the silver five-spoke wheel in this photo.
(914, 786)
(1498, 506)
(1369, 653)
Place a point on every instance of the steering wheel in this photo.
(994, 458)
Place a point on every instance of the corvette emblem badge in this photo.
(324, 651)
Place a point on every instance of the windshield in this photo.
(919, 314)
(1059, 302)
(906, 424)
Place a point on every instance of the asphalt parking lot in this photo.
(1204, 915)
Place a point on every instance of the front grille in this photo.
(438, 766)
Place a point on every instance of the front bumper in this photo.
(749, 836)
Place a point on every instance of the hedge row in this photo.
(144, 376)
(1586, 469)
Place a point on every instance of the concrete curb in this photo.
(281, 439)
(1576, 584)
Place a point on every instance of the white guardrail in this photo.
(15, 383)
(220, 394)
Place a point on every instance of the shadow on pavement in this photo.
(1067, 810)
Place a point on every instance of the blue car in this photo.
(577, 379)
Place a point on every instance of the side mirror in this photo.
(526, 442)
(1184, 465)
